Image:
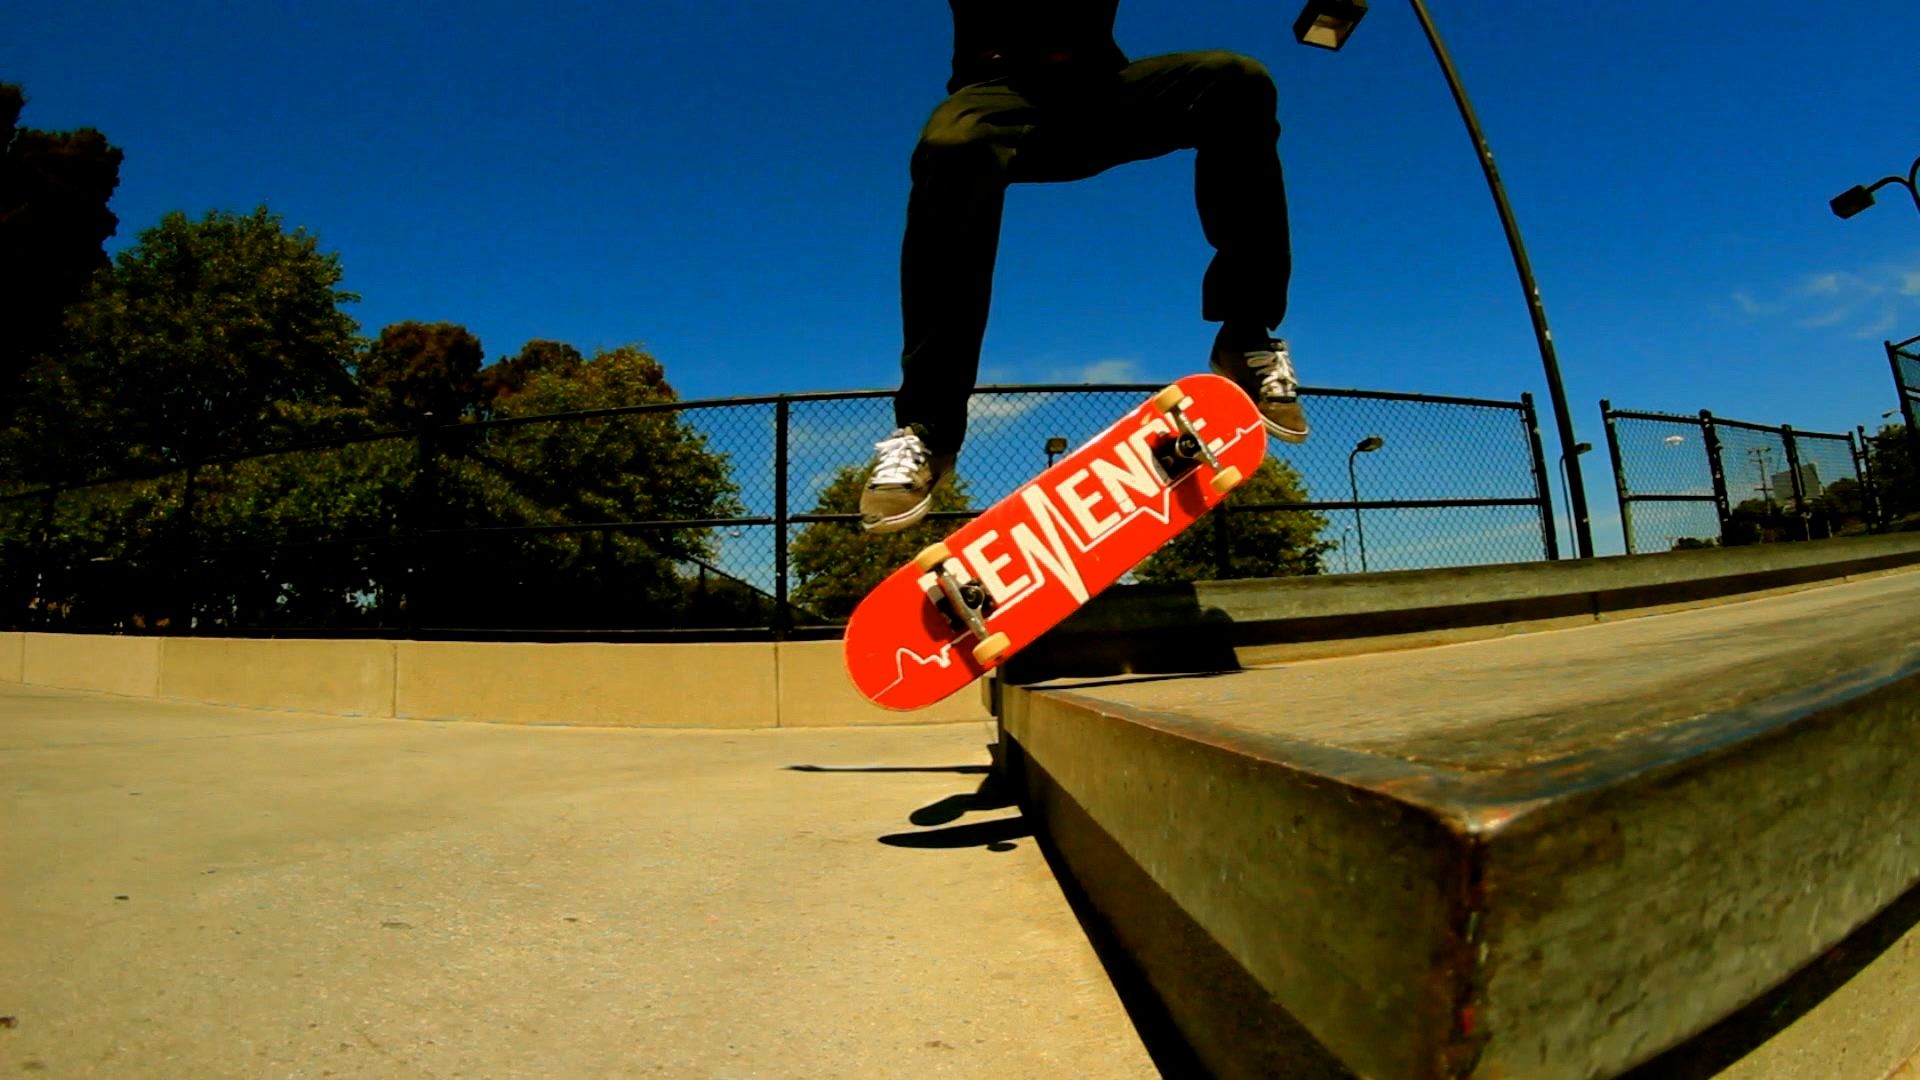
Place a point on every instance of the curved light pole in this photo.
(1365, 446)
(1858, 198)
(1326, 24)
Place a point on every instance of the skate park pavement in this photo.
(195, 890)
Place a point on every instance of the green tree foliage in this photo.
(1891, 462)
(54, 223)
(204, 338)
(633, 467)
(508, 377)
(835, 564)
(1259, 544)
(418, 373)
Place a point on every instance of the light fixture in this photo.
(1325, 24)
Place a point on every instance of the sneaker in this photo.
(901, 487)
(1266, 374)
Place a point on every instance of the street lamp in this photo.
(1858, 198)
(1055, 447)
(1326, 24)
(1365, 446)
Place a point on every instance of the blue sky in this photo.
(724, 181)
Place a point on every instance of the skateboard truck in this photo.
(1188, 444)
(967, 599)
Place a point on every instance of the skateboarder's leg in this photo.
(946, 281)
(1222, 105)
(960, 170)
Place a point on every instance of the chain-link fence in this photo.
(708, 517)
(1903, 496)
(1702, 481)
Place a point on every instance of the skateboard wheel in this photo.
(991, 649)
(1226, 480)
(1168, 398)
(931, 556)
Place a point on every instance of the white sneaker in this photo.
(900, 490)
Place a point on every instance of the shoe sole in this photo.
(1273, 429)
(1284, 434)
(905, 518)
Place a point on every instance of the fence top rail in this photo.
(1899, 345)
(1777, 429)
(1641, 414)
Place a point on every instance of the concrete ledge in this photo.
(111, 665)
(751, 685)
(1223, 625)
(815, 692)
(347, 678)
(727, 685)
(13, 656)
(1564, 854)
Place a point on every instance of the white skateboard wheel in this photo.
(991, 649)
(1226, 480)
(931, 556)
(1168, 398)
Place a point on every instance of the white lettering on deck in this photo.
(1053, 553)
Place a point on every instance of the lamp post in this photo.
(1858, 198)
(1055, 447)
(1365, 446)
(1326, 24)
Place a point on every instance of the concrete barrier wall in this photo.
(113, 665)
(746, 685)
(349, 678)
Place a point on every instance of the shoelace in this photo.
(900, 457)
(1277, 379)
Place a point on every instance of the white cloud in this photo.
(1862, 305)
(1118, 369)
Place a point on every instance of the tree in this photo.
(508, 376)
(206, 337)
(1283, 543)
(1892, 468)
(560, 475)
(418, 372)
(836, 563)
(54, 223)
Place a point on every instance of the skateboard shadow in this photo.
(992, 794)
(1138, 630)
(995, 835)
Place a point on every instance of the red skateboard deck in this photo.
(966, 604)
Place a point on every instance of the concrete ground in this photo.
(192, 890)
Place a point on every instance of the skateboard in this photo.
(967, 603)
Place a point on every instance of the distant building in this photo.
(1809, 484)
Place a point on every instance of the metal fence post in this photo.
(45, 549)
(1542, 483)
(782, 614)
(1710, 439)
(425, 491)
(1222, 543)
(1619, 473)
(1799, 487)
(1869, 489)
(182, 613)
(1906, 411)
